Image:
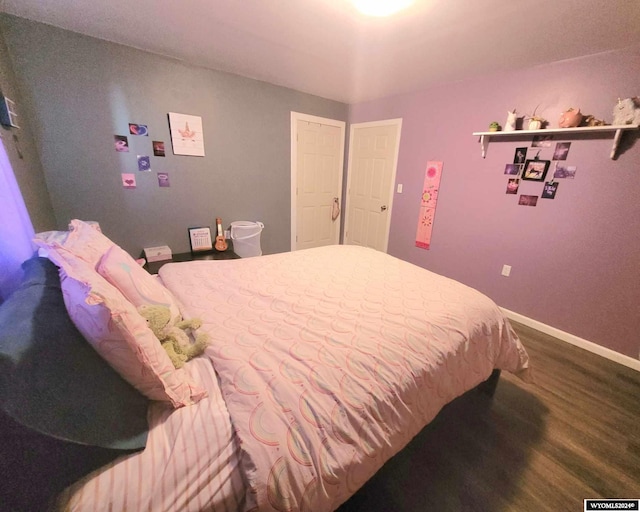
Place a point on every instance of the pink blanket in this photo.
(332, 359)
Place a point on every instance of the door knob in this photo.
(335, 208)
(383, 208)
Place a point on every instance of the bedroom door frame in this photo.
(295, 117)
(388, 204)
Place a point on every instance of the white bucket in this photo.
(246, 238)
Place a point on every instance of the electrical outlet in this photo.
(227, 234)
(506, 270)
(399, 188)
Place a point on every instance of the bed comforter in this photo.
(331, 360)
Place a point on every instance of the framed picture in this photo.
(535, 170)
(200, 239)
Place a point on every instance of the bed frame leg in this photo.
(489, 386)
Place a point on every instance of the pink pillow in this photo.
(134, 282)
(83, 240)
(120, 334)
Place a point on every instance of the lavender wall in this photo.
(575, 258)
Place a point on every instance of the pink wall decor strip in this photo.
(428, 204)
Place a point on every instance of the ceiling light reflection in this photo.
(381, 8)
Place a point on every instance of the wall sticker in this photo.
(128, 180)
(549, 190)
(144, 163)
(121, 143)
(158, 148)
(163, 179)
(138, 129)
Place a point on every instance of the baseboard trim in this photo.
(574, 340)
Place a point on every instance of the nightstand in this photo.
(154, 266)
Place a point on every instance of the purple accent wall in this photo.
(575, 259)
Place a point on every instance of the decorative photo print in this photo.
(163, 179)
(513, 169)
(528, 200)
(520, 156)
(535, 170)
(129, 180)
(549, 191)
(121, 143)
(512, 186)
(158, 148)
(186, 134)
(565, 171)
(541, 141)
(138, 129)
(561, 151)
(144, 163)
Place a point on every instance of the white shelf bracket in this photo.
(484, 142)
(616, 141)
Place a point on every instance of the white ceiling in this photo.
(325, 47)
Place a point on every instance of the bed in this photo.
(322, 364)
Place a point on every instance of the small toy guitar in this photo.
(221, 243)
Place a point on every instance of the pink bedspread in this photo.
(332, 359)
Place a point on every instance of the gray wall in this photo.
(80, 91)
(22, 153)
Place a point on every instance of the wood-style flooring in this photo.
(572, 434)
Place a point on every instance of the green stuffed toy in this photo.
(173, 335)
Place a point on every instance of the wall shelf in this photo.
(485, 137)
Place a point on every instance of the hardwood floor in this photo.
(572, 434)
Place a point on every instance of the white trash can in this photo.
(246, 238)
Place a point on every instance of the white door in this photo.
(317, 156)
(373, 158)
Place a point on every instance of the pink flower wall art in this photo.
(428, 204)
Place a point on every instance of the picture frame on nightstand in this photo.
(200, 239)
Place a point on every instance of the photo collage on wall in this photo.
(528, 165)
(192, 145)
(144, 162)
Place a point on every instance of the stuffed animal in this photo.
(627, 111)
(173, 335)
(589, 120)
(512, 118)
